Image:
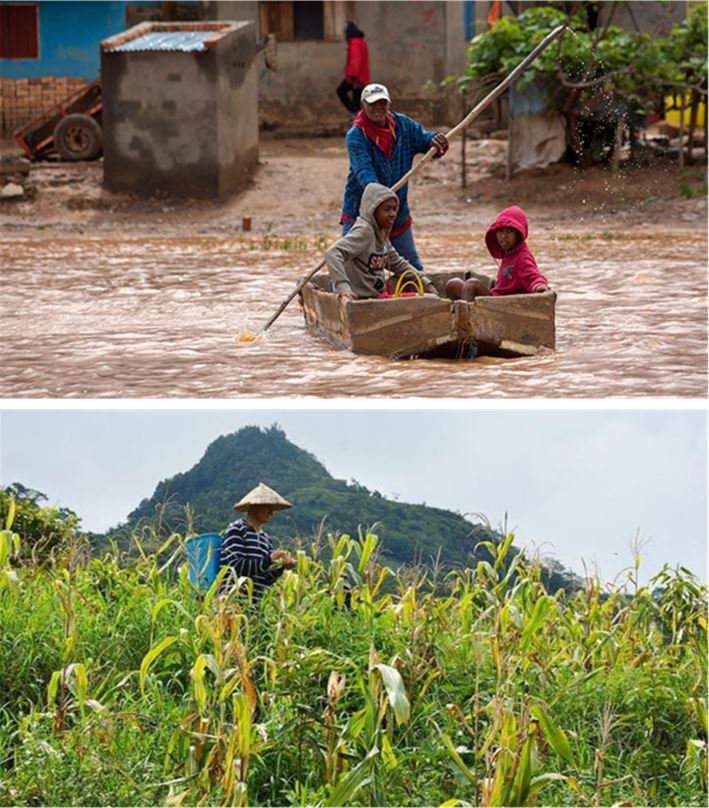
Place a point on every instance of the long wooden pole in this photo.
(290, 297)
(461, 127)
(489, 98)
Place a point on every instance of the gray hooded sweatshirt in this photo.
(359, 261)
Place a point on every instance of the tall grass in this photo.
(120, 685)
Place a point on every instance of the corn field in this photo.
(349, 684)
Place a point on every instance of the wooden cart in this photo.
(71, 129)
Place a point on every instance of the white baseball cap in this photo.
(375, 92)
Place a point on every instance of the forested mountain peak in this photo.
(201, 500)
(233, 464)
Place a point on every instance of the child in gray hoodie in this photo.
(358, 262)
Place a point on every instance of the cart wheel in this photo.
(78, 137)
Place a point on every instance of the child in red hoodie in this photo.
(518, 273)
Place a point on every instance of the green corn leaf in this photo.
(4, 547)
(8, 542)
(487, 545)
(396, 693)
(523, 775)
(161, 604)
(243, 714)
(352, 782)
(356, 723)
(536, 619)
(150, 657)
(700, 712)
(542, 780)
(368, 548)
(388, 755)
(343, 543)
(555, 737)
(354, 576)
(582, 679)
(229, 686)
(502, 780)
(11, 510)
(76, 673)
(198, 686)
(502, 549)
(213, 590)
(427, 683)
(485, 572)
(53, 687)
(173, 537)
(199, 668)
(457, 759)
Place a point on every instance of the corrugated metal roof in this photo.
(186, 41)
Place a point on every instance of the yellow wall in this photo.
(673, 115)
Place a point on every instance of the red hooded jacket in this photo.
(357, 67)
(518, 272)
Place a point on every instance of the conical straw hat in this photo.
(262, 495)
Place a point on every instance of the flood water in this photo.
(159, 317)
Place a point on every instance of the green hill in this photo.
(233, 464)
(201, 500)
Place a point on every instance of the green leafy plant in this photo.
(120, 684)
(603, 79)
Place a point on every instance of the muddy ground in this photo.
(297, 190)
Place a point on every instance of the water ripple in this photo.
(158, 317)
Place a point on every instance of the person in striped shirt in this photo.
(248, 550)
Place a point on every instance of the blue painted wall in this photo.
(69, 36)
(469, 18)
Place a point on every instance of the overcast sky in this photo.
(580, 484)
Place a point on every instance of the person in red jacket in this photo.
(356, 69)
(506, 239)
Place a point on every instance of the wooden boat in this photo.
(430, 327)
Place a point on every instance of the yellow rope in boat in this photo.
(414, 281)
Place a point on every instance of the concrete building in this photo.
(410, 44)
(49, 50)
(180, 108)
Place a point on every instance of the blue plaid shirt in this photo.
(368, 163)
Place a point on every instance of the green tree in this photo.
(601, 79)
(685, 62)
(42, 528)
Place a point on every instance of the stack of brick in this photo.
(22, 100)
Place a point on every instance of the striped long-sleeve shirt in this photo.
(248, 554)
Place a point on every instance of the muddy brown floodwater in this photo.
(158, 317)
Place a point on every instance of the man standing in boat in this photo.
(381, 146)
